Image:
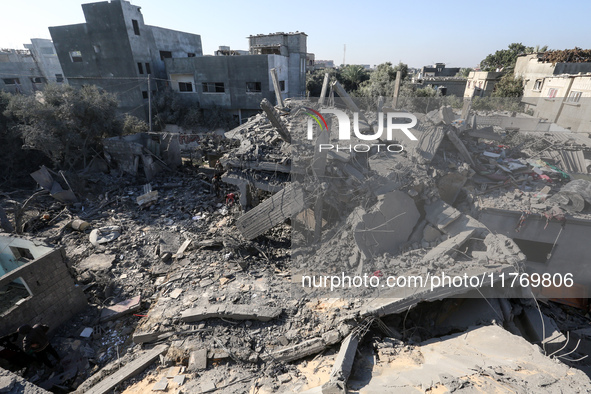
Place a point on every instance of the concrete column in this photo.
(396, 89)
(324, 89)
(277, 88)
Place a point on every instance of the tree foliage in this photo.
(508, 86)
(504, 59)
(65, 123)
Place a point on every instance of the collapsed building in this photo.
(190, 294)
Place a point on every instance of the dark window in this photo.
(140, 68)
(136, 27)
(148, 69)
(37, 80)
(11, 81)
(21, 253)
(59, 78)
(538, 84)
(253, 87)
(76, 56)
(185, 86)
(190, 54)
(534, 251)
(165, 55)
(213, 87)
(282, 86)
(145, 94)
(12, 294)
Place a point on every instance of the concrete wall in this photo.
(178, 43)
(454, 86)
(21, 65)
(54, 296)
(566, 111)
(293, 45)
(570, 254)
(9, 256)
(234, 72)
(44, 54)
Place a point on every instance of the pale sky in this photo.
(457, 32)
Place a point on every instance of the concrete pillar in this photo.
(324, 89)
(396, 89)
(277, 88)
(273, 116)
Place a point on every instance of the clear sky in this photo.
(457, 32)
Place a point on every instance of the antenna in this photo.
(344, 53)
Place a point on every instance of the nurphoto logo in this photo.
(394, 121)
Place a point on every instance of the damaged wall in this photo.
(536, 239)
(53, 296)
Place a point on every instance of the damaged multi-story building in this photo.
(29, 70)
(238, 83)
(557, 87)
(118, 52)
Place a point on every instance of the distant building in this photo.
(438, 70)
(226, 51)
(445, 86)
(46, 58)
(534, 71)
(117, 51)
(481, 83)
(239, 83)
(565, 100)
(20, 72)
(318, 64)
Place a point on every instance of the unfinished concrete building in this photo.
(117, 51)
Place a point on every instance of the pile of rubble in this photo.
(191, 293)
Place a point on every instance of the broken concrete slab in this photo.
(429, 142)
(387, 225)
(457, 361)
(97, 262)
(453, 137)
(431, 234)
(197, 360)
(131, 369)
(450, 185)
(305, 348)
(161, 385)
(46, 181)
(449, 246)
(120, 309)
(231, 311)
(447, 114)
(541, 330)
(342, 366)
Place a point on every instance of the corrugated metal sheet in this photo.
(282, 205)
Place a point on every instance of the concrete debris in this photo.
(57, 191)
(196, 273)
(122, 308)
(234, 312)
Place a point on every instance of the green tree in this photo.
(315, 79)
(464, 72)
(352, 76)
(65, 123)
(504, 59)
(508, 86)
